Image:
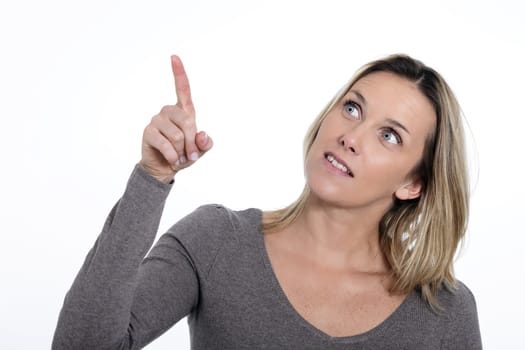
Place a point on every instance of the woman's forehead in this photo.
(392, 89)
(383, 81)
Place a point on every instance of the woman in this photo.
(362, 260)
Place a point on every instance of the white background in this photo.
(80, 80)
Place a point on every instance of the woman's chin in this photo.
(330, 195)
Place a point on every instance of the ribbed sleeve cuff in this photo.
(145, 185)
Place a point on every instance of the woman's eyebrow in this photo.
(398, 124)
(359, 96)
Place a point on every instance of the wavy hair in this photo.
(419, 237)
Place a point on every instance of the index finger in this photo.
(182, 86)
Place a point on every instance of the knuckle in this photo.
(177, 136)
(164, 146)
(187, 122)
(156, 119)
(166, 109)
(148, 131)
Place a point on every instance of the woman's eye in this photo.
(352, 109)
(391, 136)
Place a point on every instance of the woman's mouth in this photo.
(339, 164)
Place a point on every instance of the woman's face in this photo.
(369, 143)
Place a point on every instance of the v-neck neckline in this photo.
(378, 330)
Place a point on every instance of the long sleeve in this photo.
(119, 300)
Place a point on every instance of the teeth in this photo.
(336, 164)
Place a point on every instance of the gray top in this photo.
(213, 266)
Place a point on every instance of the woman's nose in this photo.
(350, 140)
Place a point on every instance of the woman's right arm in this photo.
(115, 301)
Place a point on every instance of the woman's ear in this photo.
(410, 190)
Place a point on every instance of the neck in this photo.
(341, 235)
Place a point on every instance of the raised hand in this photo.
(170, 141)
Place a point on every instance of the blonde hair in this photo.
(419, 237)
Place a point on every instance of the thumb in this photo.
(203, 141)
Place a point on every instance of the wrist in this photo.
(164, 178)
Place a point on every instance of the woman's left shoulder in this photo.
(460, 312)
(457, 298)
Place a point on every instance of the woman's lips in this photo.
(338, 164)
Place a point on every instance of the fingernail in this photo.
(183, 160)
(177, 162)
(194, 156)
(204, 137)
